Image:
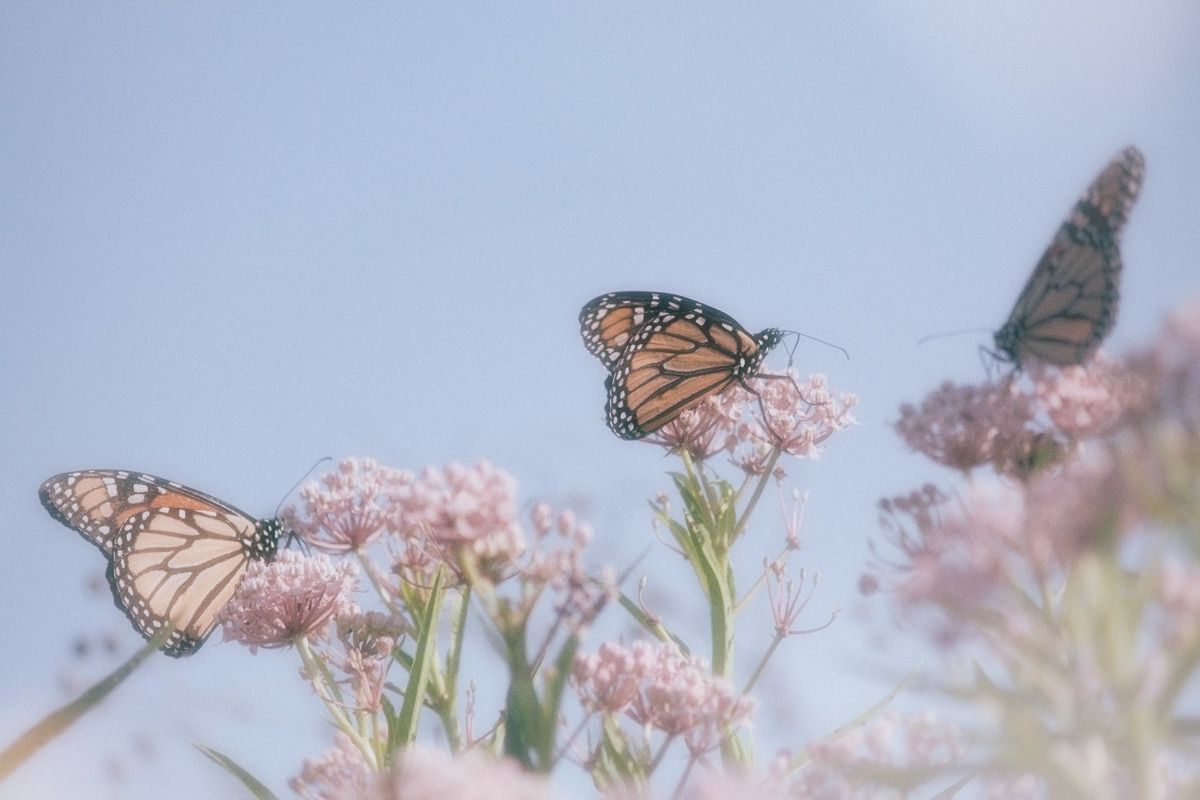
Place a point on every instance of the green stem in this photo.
(316, 672)
(758, 490)
(58, 721)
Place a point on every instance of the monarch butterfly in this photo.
(175, 555)
(666, 354)
(1069, 303)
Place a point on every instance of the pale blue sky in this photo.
(238, 237)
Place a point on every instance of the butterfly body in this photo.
(1069, 304)
(175, 555)
(666, 354)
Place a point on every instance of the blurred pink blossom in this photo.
(856, 764)
(340, 772)
(426, 773)
(1090, 399)
(293, 596)
(965, 426)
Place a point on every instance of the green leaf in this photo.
(58, 721)
(405, 731)
(256, 787)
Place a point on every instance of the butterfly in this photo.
(666, 354)
(175, 555)
(1069, 303)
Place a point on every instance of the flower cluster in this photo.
(661, 689)
(965, 426)
(1089, 400)
(292, 597)
(425, 773)
(458, 507)
(888, 750)
(775, 411)
(350, 508)
(341, 771)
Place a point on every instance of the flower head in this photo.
(472, 508)
(423, 773)
(965, 426)
(340, 772)
(1090, 399)
(291, 597)
(349, 508)
(659, 688)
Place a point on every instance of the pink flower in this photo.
(777, 412)
(797, 417)
(340, 772)
(703, 431)
(953, 553)
(843, 767)
(965, 426)
(1090, 399)
(464, 507)
(659, 688)
(350, 508)
(555, 560)
(291, 597)
(423, 773)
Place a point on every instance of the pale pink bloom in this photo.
(339, 773)
(711, 785)
(965, 426)
(465, 507)
(367, 640)
(610, 678)
(1014, 787)
(425, 773)
(842, 767)
(555, 560)
(1175, 366)
(953, 552)
(661, 689)
(703, 431)
(349, 508)
(799, 416)
(1178, 590)
(1078, 505)
(1092, 398)
(293, 596)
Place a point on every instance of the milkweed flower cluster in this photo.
(459, 509)
(777, 412)
(1067, 585)
(425, 773)
(292, 597)
(339, 772)
(1089, 400)
(875, 759)
(350, 508)
(661, 689)
(965, 426)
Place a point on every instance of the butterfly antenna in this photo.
(303, 478)
(798, 334)
(945, 334)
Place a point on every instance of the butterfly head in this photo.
(1007, 341)
(768, 339)
(265, 542)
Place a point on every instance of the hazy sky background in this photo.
(238, 237)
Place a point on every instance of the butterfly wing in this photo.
(608, 322)
(1069, 303)
(673, 362)
(175, 554)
